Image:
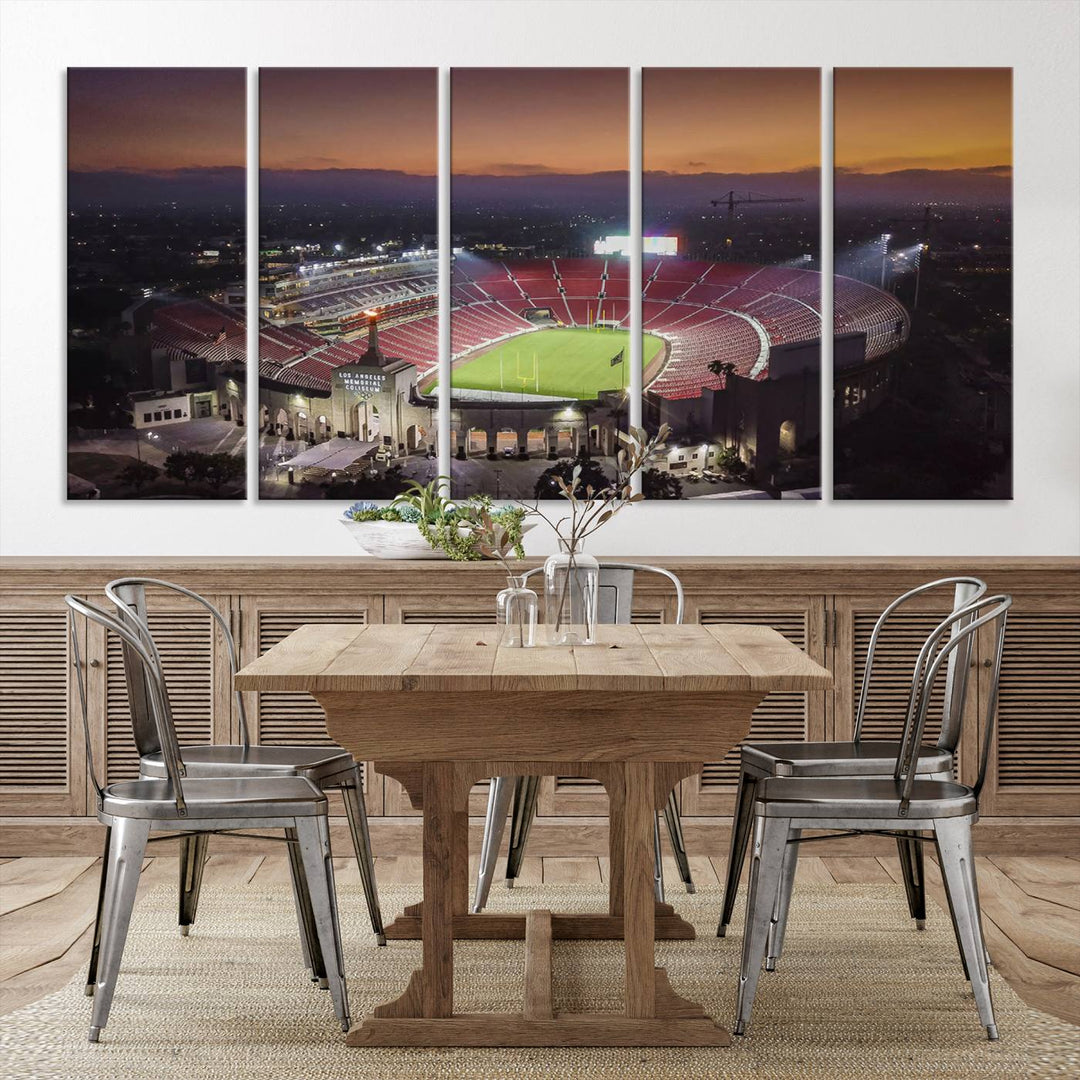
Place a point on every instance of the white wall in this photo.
(1039, 39)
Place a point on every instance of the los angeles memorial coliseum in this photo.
(348, 355)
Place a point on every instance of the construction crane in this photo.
(731, 198)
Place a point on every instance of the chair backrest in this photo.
(149, 679)
(950, 637)
(616, 590)
(966, 590)
(129, 597)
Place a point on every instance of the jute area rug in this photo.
(860, 993)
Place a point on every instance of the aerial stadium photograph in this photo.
(731, 281)
(923, 213)
(540, 351)
(348, 326)
(732, 286)
(155, 293)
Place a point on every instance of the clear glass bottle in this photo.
(571, 586)
(515, 610)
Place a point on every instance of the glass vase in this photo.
(571, 585)
(515, 609)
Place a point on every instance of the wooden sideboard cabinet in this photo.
(826, 606)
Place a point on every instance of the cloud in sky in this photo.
(518, 168)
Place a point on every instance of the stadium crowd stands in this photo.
(704, 311)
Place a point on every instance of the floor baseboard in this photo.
(550, 836)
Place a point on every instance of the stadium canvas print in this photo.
(348, 328)
(731, 283)
(539, 321)
(155, 305)
(923, 219)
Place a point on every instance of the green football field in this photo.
(571, 362)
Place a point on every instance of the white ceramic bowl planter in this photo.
(398, 539)
(392, 540)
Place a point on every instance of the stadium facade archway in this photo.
(788, 437)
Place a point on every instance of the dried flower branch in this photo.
(592, 508)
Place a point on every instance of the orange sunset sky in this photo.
(522, 121)
(922, 118)
(531, 121)
(150, 119)
(731, 120)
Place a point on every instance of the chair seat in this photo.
(863, 758)
(223, 759)
(222, 797)
(846, 797)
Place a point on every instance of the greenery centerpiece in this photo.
(571, 577)
(421, 523)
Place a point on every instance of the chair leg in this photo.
(741, 826)
(783, 900)
(678, 844)
(95, 949)
(126, 850)
(953, 838)
(526, 791)
(911, 865)
(766, 865)
(956, 929)
(192, 862)
(658, 862)
(309, 943)
(500, 793)
(313, 834)
(353, 792)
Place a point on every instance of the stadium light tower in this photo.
(918, 273)
(928, 221)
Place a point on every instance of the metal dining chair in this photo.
(327, 767)
(859, 757)
(614, 602)
(900, 805)
(178, 805)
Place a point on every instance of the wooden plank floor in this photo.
(1031, 910)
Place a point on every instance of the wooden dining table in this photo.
(441, 707)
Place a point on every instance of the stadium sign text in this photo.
(363, 383)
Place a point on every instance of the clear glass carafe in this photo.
(571, 587)
(515, 609)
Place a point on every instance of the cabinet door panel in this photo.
(42, 752)
(1034, 764)
(782, 716)
(281, 717)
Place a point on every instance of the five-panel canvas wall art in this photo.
(554, 344)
